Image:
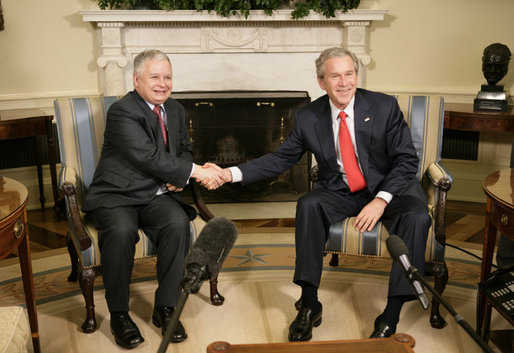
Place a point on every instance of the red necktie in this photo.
(157, 111)
(354, 175)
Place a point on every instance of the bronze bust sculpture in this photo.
(495, 64)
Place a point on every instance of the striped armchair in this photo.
(81, 124)
(425, 115)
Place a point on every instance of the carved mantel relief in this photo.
(216, 53)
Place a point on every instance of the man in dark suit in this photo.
(367, 168)
(145, 162)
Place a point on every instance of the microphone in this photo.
(400, 253)
(203, 262)
(208, 253)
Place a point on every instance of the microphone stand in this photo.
(173, 323)
(191, 283)
(413, 272)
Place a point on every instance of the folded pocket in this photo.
(115, 179)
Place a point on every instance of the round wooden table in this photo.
(499, 189)
(14, 234)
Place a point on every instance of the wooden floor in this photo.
(465, 227)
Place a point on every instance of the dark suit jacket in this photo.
(134, 162)
(386, 152)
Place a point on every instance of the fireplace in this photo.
(233, 127)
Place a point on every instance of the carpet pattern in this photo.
(53, 285)
(256, 282)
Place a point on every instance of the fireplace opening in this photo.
(233, 127)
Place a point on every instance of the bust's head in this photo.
(495, 62)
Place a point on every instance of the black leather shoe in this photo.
(301, 328)
(126, 334)
(162, 316)
(382, 329)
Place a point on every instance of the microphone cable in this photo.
(469, 253)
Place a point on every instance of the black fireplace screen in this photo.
(229, 128)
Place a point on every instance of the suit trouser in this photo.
(164, 221)
(405, 216)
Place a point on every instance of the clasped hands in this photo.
(211, 176)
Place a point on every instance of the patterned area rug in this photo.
(52, 284)
(256, 282)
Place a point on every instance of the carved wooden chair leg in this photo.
(216, 297)
(87, 279)
(334, 261)
(440, 273)
(73, 259)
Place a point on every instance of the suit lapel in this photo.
(325, 133)
(363, 119)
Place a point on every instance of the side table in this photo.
(461, 116)
(23, 123)
(14, 234)
(499, 189)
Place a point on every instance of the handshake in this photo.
(211, 176)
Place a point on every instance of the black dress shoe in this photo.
(301, 328)
(162, 316)
(382, 329)
(126, 334)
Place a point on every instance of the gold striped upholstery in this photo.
(81, 125)
(425, 117)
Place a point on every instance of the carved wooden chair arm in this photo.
(203, 211)
(439, 176)
(442, 180)
(68, 181)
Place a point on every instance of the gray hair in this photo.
(149, 54)
(334, 52)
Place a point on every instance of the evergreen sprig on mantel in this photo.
(302, 8)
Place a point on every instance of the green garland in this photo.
(233, 7)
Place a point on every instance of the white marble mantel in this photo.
(213, 53)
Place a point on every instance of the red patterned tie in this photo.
(157, 111)
(354, 175)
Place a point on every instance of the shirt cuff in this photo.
(237, 175)
(385, 196)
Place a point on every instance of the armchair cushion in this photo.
(90, 256)
(344, 239)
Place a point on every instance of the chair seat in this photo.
(344, 239)
(90, 257)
